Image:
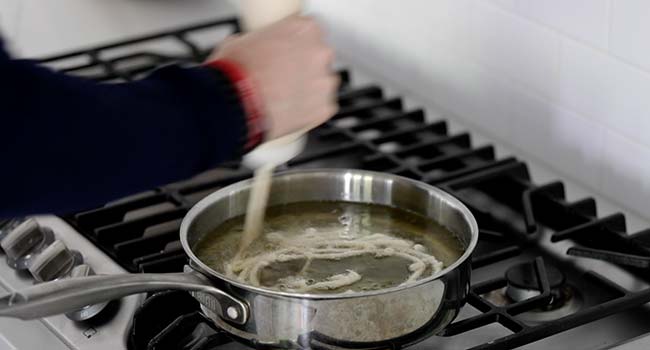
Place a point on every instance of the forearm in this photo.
(70, 143)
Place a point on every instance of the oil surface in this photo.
(351, 221)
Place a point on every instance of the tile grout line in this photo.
(637, 66)
(610, 24)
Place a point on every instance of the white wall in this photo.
(44, 27)
(567, 81)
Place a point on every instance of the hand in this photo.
(290, 64)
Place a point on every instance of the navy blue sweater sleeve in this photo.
(69, 143)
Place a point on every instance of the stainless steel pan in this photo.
(401, 315)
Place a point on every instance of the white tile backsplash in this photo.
(606, 89)
(566, 81)
(627, 172)
(10, 14)
(571, 142)
(630, 28)
(586, 20)
(515, 47)
(505, 4)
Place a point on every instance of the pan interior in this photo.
(318, 192)
(327, 224)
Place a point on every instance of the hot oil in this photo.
(351, 220)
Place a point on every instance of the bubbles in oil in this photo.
(345, 221)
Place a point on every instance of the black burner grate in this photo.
(375, 132)
(129, 59)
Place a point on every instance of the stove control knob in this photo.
(9, 225)
(54, 262)
(89, 311)
(25, 242)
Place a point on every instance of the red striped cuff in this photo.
(247, 93)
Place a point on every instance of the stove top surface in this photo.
(548, 272)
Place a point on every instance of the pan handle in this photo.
(61, 296)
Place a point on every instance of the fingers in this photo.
(219, 50)
(322, 103)
(291, 65)
(230, 38)
(325, 57)
(332, 89)
(307, 25)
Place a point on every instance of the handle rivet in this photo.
(232, 312)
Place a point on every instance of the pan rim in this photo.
(199, 207)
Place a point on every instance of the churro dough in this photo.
(328, 245)
(332, 247)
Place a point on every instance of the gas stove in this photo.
(549, 272)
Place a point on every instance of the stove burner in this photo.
(6, 226)
(566, 301)
(172, 321)
(523, 284)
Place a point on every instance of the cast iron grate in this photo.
(112, 63)
(374, 132)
